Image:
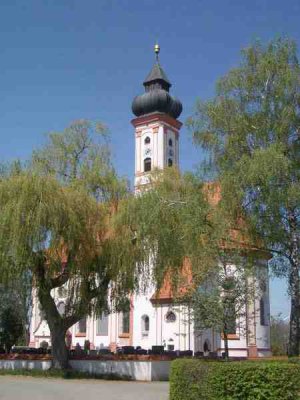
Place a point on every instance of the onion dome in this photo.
(156, 97)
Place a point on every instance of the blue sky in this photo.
(67, 59)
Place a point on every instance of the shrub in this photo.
(245, 380)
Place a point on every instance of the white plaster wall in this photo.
(136, 370)
(25, 364)
(178, 333)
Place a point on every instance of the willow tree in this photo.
(72, 222)
(250, 130)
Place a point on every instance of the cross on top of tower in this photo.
(156, 50)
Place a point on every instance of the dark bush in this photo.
(157, 350)
(246, 380)
(126, 350)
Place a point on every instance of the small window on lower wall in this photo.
(102, 325)
(145, 325)
(81, 327)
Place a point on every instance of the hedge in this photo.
(244, 380)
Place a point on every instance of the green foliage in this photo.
(80, 155)
(279, 336)
(251, 132)
(172, 221)
(245, 380)
(70, 220)
(11, 328)
(19, 293)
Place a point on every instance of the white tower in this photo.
(156, 125)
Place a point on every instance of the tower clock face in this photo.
(147, 152)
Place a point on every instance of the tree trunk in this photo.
(225, 338)
(59, 348)
(293, 348)
(294, 338)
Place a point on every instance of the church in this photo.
(153, 319)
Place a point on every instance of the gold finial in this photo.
(157, 50)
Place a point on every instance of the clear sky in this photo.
(67, 59)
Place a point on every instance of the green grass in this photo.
(63, 374)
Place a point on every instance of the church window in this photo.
(147, 164)
(170, 142)
(170, 162)
(145, 325)
(124, 322)
(229, 305)
(206, 346)
(262, 312)
(230, 316)
(170, 316)
(102, 325)
(81, 327)
(147, 140)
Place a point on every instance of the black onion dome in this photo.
(156, 97)
(176, 109)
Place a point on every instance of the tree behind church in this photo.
(251, 131)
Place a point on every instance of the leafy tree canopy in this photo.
(70, 220)
(251, 132)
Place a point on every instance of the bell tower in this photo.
(156, 125)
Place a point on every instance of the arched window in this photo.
(147, 140)
(170, 316)
(170, 162)
(147, 164)
(206, 346)
(145, 325)
(170, 142)
(262, 312)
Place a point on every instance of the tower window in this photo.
(147, 140)
(147, 164)
(170, 142)
(170, 162)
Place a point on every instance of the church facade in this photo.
(153, 319)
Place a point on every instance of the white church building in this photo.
(154, 319)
